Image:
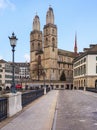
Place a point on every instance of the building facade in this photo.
(46, 60)
(24, 70)
(6, 74)
(24, 73)
(85, 68)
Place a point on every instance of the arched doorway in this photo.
(96, 84)
(71, 86)
(67, 86)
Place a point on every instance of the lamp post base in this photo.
(84, 88)
(44, 90)
(14, 103)
(13, 90)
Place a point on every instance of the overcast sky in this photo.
(71, 16)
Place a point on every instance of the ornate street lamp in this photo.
(13, 41)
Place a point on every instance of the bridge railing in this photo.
(3, 108)
(26, 98)
(30, 96)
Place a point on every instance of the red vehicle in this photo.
(18, 86)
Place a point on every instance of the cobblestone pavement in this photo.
(76, 110)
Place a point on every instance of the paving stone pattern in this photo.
(76, 110)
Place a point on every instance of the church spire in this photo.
(75, 45)
(36, 23)
(50, 16)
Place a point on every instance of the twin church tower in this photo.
(46, 60)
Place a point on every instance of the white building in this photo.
(24, 69)
(85, 68)
(6, 74)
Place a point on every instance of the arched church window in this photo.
(32, 46)
(46, 41)
(38, 36)
(39, 60)
(38, 46)
(46, 31)
(52, 31)
(53, 43)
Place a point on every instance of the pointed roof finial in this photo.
(75, 44)
(36, 12)
(75, 39)
(50, 8)
(49, 5)
(36, 16)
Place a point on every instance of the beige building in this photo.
(85, 68)
(46, 60)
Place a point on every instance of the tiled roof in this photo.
(66, 53)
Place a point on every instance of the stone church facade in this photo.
(46, 60)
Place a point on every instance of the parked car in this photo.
(18, 86)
